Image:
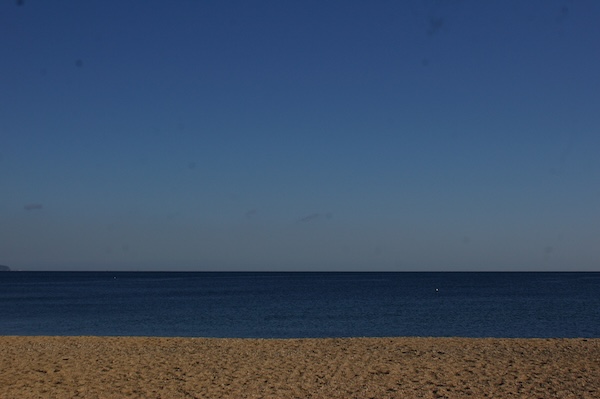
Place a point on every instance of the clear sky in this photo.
(300, 135)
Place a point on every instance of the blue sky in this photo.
(313, 135)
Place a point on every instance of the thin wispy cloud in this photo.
(315, 217)
(32, 206)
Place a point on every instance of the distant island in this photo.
(4, 268)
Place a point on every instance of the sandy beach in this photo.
(130, 367)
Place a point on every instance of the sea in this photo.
(301, 305)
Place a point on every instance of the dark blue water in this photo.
(286, 305)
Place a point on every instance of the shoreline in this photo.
(394, 367)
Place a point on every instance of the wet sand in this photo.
(130, 367)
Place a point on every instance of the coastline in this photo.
(149, 367)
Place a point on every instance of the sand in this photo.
(124, 367)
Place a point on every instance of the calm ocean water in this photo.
(287, 305)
